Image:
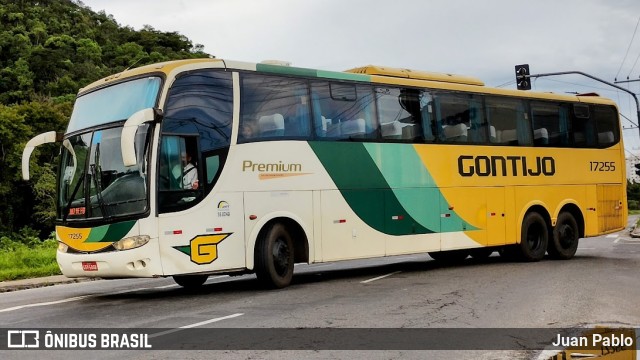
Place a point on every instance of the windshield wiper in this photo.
(103, 208)
(71, 198)
(98, 183)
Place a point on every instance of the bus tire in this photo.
(274, 257)
(564, 242)
(190, 281)
(450, 256)
(534, 238)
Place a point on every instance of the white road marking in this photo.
(76, 298)
(379, 277)
(45, 303)
(616, 241)
(195, 325)
(613, 235)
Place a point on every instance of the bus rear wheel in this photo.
(534, 238)
(274, 257)
(564, 243)
(190, 281)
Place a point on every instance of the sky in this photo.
(484, 39)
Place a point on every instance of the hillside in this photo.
(48, 50)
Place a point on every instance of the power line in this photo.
(634, 65)
(629, 120)
(632, 154)
(507, 83)
(629, 48)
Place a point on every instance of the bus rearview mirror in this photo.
(127, 140)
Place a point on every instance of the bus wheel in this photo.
(482, 253)
(274, 257)
(534, 237)
(450, 256)
(190, 281)
(564, 243)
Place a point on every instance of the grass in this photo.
(21, 261)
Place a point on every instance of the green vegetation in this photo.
(633, 196)
(49, 50)
(27, 256)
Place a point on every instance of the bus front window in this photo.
(94, 183)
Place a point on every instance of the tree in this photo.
(48, 51)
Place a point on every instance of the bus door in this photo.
(198, 232)
(496, 214)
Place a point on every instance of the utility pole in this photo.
(523, 76)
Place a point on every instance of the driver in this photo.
(189, 172)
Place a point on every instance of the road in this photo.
(599, 286)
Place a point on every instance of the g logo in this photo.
(203, 249)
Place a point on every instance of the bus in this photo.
(208, 166)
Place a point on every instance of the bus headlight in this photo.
(131, 242)
(62, 247)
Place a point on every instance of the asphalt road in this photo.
(599, 286)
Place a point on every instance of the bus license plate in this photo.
(89, 266)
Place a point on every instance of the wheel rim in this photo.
(281, 256)
(566, 236)
(534, 236)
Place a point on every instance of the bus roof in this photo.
(368, 73)
(416, 74)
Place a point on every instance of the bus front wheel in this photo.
(564, 243)
(190, 281)
(534, 238)
(274, 257)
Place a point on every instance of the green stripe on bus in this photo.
(413, 186)
(97, 233)
(365, 189)
(291, 70)
(110, 233)
(286, 70)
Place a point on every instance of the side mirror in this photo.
(45, 138)
(128, 137)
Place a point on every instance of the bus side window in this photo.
(343, 111)
(606, 120)
(550, 124)
(399, 114)
(273, 108)
(508, 122)
(583, 130)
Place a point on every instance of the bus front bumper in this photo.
(139, 262)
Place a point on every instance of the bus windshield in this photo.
(114, 103)
(94, 183)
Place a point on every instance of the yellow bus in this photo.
(197, 167)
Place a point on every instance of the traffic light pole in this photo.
(596, 79)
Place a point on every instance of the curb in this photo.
(15, 285)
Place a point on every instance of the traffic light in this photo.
(522, 77)
(637, 168)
